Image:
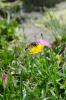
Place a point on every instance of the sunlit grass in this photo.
(41, 76)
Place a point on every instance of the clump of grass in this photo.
(37, 76)
(32, 76)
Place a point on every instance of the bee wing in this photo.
(29, 46)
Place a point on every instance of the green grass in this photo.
(31, 77)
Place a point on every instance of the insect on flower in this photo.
(38, 46)
(33, 44)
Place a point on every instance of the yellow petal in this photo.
(36, 49)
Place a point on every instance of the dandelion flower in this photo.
(36, 49)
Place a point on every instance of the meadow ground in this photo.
(36, 71)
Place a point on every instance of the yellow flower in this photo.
(36, 49)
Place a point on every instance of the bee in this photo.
(29, 46)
